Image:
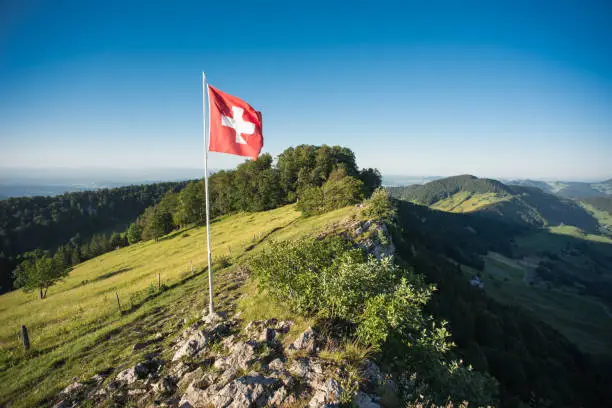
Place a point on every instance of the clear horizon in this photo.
(504, 90)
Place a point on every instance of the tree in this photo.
(371, 179)
(39, 271)
(157, 222)
(191, 203)
(341, 190)
(380, 207)
(134, 233)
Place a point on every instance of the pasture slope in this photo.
(78, 331)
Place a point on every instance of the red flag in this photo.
(235, 127)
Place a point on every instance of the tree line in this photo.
(319, 178)
(46, 223)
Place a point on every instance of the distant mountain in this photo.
(600, 203)
(570, 189)
(441, 189)
(524, 204)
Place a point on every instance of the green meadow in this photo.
(78, 331)
(583, 320)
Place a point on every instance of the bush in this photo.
(380, 207)
(338, 191)
(384, 303)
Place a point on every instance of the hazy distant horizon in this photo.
(88, 176)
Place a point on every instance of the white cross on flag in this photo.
(235, 127)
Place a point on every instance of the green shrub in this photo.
(380, 207)
(338, 191)
(331, 279)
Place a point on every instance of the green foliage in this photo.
(29, 223)
(338, 191)
(380, 207)
(156, 222)
(38, 271)
(331, 280)
(437, 190)
(134, 233)
(372, 180)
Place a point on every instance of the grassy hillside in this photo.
(569, 189)
(517, 204)
(78, 331)
(442, 189)
(584, 320)
(466, 202)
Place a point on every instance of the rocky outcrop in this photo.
(214, 364)
(373, 237)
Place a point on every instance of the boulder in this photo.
(305, 341)
(73, 388)
(283, 326)
(371, 374)
(165, 386)
(242, 355)
(276, 364)
(267, 334)
(363, 400)
(191, 346)
(127, 377)
(247, 391)
(300, 367)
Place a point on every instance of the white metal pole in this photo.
(206, 111)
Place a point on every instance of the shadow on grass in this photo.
(177, 233)
(263, 238)
(111, 274)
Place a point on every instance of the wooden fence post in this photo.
(118, 304)
(159, 281)
(25, 338)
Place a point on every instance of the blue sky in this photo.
(491, 88)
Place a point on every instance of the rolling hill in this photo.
(517, 204)
(569, 189)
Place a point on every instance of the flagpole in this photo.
(206, 111)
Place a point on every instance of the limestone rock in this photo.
(242, 354)
(247, 391)
(166, 385)
(190, 347)
(267, 334)
(276, 364)
(363, 400)
(305, 341)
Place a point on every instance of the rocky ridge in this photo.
(214, 363)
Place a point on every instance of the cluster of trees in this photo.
(319, 178)
(533, 363)
(29, 223)
(39, 270)
(253, 186)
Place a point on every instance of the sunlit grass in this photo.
(464, 201)
(78, 330)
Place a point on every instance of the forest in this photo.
(70, 220)
(78, 226)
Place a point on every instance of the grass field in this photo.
(78, 331)
(581, 319)
(603, 217)
(464, 201)
(576, 232)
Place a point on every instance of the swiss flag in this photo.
(235, 127)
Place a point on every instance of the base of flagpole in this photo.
(213, 318)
